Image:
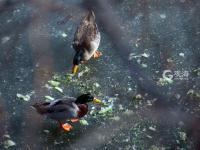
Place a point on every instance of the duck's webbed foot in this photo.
(65, 126)
(74, 119)
(97, 54)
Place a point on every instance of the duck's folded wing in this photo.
(68, 100)
(63, 111)
(60, 106)
(55, 109)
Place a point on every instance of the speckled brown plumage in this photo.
(87, 36)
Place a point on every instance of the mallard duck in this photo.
(86, 41)
(66, 109)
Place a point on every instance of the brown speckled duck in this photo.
(86, 41)
(66, 109)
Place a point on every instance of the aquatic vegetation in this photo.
(59, 89)
(164, 81)
(49, 98)
(197, 71)
(194, 93)
(83, 122)
(8, 142)
(23, 97)
(26, 97)
(80, 81)
(54, 83)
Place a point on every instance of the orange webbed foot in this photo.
(74, 120)
(66, 126)
(97, 54)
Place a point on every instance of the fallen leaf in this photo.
(23, 97)
(152, 128)
(83, 122)
(54, 83)
(49, 98)
(8, 142)
(182, 136)
(105, 110)
(59, 89)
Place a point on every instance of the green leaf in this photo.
(69, 77)
(64, 34)
(59, 89)
(146, 55)
(144, 65)
(84, 122)
(54, 83)
(182, 136)
(96, 84)
(46, 131)
(190, 92)
(23, 97)
(152, 128)
(105, 110)
(8, 143)
(49, 98)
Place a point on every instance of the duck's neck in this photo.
(83, 109)
(78, 57)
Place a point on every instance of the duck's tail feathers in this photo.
(91, 16)
(39, 108)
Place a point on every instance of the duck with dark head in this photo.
(86, 41)
(66, 109)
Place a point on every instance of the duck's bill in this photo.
(74, 69)
(97, 101)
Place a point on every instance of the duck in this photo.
(86, 41)
(69, 108)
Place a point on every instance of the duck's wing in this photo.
(57, 102)
(62, 110)
(61, 105)
(66, 100)
(86, 32)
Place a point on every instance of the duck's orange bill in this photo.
(66, 127)
(97, 101)
(74, 69)
(73, 119)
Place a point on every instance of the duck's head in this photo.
(78, 57)
(86, 98)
